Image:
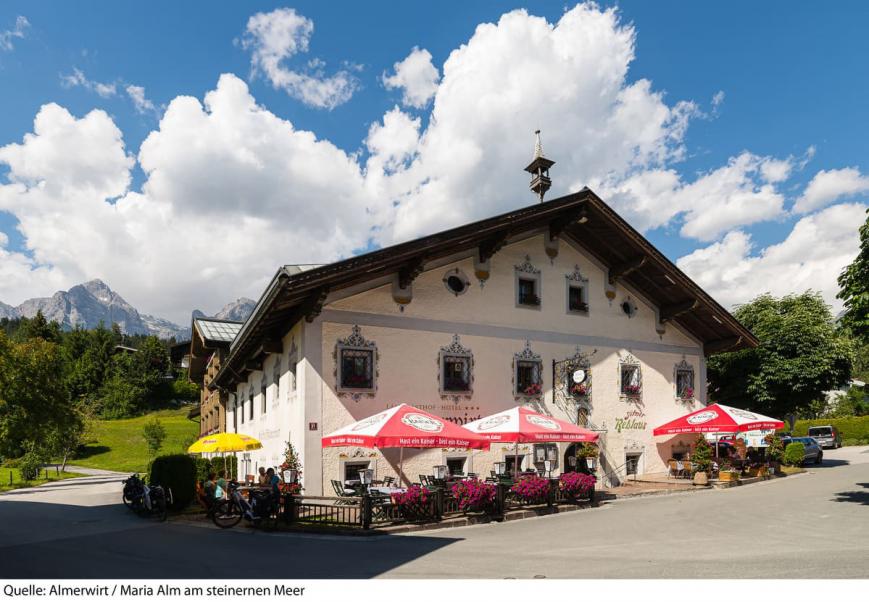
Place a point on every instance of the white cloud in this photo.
(277, 36)
(7, 36)
(222, 177)
(811, 257)
(231, 191)
(78, 79)
(829, 186)
(416, 77)
(140, 101)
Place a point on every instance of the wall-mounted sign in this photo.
(312, 426)
(634, 420)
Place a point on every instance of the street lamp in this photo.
(366, 476)
(440, 471)
(547, 466)
(500, 468)
(291, 476)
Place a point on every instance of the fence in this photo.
(367, 511)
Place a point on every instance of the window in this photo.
(456, 370)
(630, 377)
(528, 373)
(351, 470)
(527, 284)
(262, 394)
(513, 462)
(250, 399)
(356, 369)
(684, 381)
(235, 416)
(456, 466)
(576, 299)
(577, 291)
(456, 282)
(355, 364)
(276, 380)
(528, 292)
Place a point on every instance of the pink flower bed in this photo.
(414, 496)
(531, 489)
(474, 495)
(576, 483)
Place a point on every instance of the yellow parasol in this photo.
(223, 443)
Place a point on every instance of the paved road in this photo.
(812, 525)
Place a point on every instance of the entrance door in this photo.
(632, 463)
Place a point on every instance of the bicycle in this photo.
(145, 500)
(261, 510)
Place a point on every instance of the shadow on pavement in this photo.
(828, 463)
(856, 496)
(109, 542)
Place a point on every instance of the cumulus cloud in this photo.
(7, 36)
(416, 77)
(279, 35)
(231, 191)
(829, 186)
(223, 177)
(811, 257)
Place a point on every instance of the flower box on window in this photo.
(687, 394)
(579, 390)
(533, 389)
(631, 390)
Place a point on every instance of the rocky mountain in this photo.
(238, 310)
(88, 304)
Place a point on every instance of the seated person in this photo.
(209, 485)
(262, 479)
(274, 482)
(221, 480)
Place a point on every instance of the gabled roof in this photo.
(209, 335)
(294, 294)
(216, 331)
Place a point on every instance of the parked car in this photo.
(813, 448)
(826, 436)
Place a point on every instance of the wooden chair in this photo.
(472, 475)
(687, 469)
(342, 492)
(388, 481)
(672, 469)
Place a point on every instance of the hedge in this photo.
(853, 429)
(178, 473)
(204, 466)
(795, 453)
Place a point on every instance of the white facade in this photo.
(494, 328)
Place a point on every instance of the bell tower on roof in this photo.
(539, 170)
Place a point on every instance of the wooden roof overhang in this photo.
(582, 216)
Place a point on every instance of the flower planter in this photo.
(701, 478)
(728, 476)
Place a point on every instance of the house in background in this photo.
(561, 306)
(208, 347)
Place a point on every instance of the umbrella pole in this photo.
(400, 466)
(516, 460)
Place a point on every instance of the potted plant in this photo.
(687, 394)
(474, 495)
(576, 484)
(727, 473)
(774, 452)
(579, 390)
(531, 489)
(533, 389)
(590, 452)
(631, 390)
(702, 459)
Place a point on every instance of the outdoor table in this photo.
(387, 491)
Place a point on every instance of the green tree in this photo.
(854, 402)
(33, 400)
(154, 433)
(39, 328)
(65, 438)
(800, 356)
(854, 289)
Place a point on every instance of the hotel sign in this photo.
(634, 420)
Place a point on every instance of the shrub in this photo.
(702, 456)
(575, 484)
(178, 473)
(794, 454)
(775, 447)
(29, 464)
(531, 489)
(854, 427)
(474, 495)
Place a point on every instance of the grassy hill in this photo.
(119, 445)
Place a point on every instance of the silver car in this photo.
(813, 452)
(826, 436)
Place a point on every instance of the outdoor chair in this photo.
(672, 469)
(388, 481)
(472, 475)
(688, 469)
(342, 492)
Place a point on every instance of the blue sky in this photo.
(793, 78)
